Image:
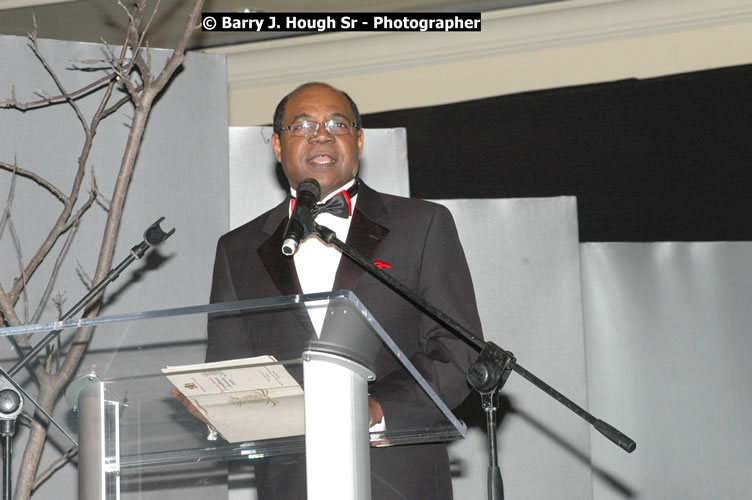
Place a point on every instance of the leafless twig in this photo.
(143, 87)
(8, 217)
(83, 91)
(67, 456)
(51, 281)
(59, 300)
(36, 178)
(35, 47)
(87, 280)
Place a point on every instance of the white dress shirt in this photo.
(316, 262)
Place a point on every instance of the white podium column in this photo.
(336, 427)
(98, 439)
(91, 440)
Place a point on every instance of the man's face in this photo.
(331, 160)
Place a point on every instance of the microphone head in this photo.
(310, 186)
(289, 245)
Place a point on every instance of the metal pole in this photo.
(7, 456)
(495, 485)
(11, 406)
(91, 480)
(338, 460)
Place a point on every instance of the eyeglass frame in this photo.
(315, 133)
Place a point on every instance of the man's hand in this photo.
(189, 406)
(375, 412)
(376, 416)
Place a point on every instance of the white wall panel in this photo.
(181, 174)
(668, 350)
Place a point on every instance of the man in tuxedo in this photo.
(317, 134)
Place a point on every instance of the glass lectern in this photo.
(132, 429)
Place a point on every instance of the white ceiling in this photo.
(97, 20)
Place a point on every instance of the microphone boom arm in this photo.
(494, 364)
(153, 236)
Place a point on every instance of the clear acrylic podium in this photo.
(136, 439)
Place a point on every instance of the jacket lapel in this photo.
(365, 236)
(281, 268)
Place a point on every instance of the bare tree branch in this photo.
(36, 178)
(59, 462)
(178, 55)
(8, 308)
(41, 93)
(107, 112)
(135, 40)
(143, 95)
(19, 252)
(61, 225)
(145, 30)
(59, 301)
(35, 47)
(101, 200)
(73, 221)
(8, 217)
(151, 90)
(82, 92)
(84, 276)
(51, 281)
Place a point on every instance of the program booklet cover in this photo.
(244, 399)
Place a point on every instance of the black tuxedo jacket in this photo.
(418, 239)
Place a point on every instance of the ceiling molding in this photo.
(503, 32)
(15, 4)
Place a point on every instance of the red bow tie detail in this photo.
(339, 205)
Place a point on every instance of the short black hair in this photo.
(279, 112)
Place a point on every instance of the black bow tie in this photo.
(338, 205)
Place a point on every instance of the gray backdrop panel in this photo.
(181, 174)
(524, 257)
(668, 350)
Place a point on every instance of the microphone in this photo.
(153, 236)
(300, 224)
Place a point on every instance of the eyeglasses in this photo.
(309, 128)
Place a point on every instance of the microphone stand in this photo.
(11, 403)
(153, 236)
(488, 373)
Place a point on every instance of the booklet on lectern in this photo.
(244, 399)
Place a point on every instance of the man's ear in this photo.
(361, 136)
(276, 146)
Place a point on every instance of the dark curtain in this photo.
(649, 160)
